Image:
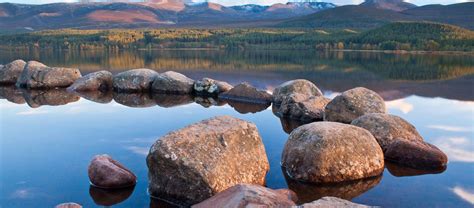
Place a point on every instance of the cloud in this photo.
(139, 150)
(32, 111)
(464, 194)
(400, 105)
(23, 193)
(458, 149)
(450, 128)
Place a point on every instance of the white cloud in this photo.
(401, 105)
(139, 150)
(464, 194)
(32, 111)
(458, 149)
(450, 128)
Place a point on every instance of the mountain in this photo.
(394, 5)
(365, 17)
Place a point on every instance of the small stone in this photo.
(105, 172)
(210, 87)
(244, 92)
(416, 154)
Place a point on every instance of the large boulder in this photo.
(352, 104)
(299, 107)
(416, 154)
(328, 201)
(325, 152)
(36, 75)
(299, 86)
(192, 164)
(105, 172)
(210, 87)
(135, 80)
(97, 81)
(247, 195)
(244, 92)
(172, 82)
(10, 73)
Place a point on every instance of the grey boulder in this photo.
(300, 107)
(135, 80)
(105, 172)
(244, 92)
(36, 75)
(299, 86)
(172, 82)
(10, 73)
(210, 87)
(97, 81)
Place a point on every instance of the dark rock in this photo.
(387, 128)
(10, 73)
(289, 125)
(326, 202)
(416, 154)
(68, 205)
(246, 195)
(135, 80)
(308, 192)
(352, 104)
(97, 96)
(12, 94)
(247, 93)
(326, 152)
(39, 76)
(105, 172)
(168, 101)
(402, 171)
(208, 101)
(97, 81)
(299, 86)
(210, 87)
(192, 164)
(110, 197)
(134, 100)
(245, 108)
(52, 97)
(172, 82)
(299, 107)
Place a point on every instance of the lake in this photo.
(49, 137)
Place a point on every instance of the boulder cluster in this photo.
(221, 161)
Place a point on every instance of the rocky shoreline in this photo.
(221, 161)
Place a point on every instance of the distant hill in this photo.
(395, 5)
(362, 16)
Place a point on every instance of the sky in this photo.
(261, 2)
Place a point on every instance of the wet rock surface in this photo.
(210, 87)
(244, 92)
(299, 107)
(299, 86)
(10, 73)
(135, 80)
(172, 82)
(326, 202)
(325, 152)
(247, 195)
(69, 205)
(97, 81)
(352, 104)
(105, 172)
(192, 164)
(110, 197)
(36, 75)
(416, 154)
(52, 97)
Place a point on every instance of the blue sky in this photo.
(263, 2)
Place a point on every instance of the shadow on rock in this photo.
(245, 108)
(53, 97)
(209, 101)
(401, 171)
(109, 197)
(169, 101)
(97, 96)
(308, 192)
(134, 100)
(12, 94)
(159, 203)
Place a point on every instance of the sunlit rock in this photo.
(245, 108)
(172, 82)
(326, 202)
(134, 100)
(299, 86)
(96, 81)
(135, 80)
(105, 172)
(247, 195)
(194, 163)
(300, 107)
(210, 87)
(246, 93)
(352, 104)
(52, 97)
(168, 101)
(36, 75)
(10, 73)
(325, 152)
(12, 94)
(110, 197)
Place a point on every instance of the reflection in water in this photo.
(168, 101)
(288, 124)
(464, 194)
(208, 101)
(134, 100)
(12, 94)
(307, 192)
(97, 96)
(53, 97)
(245, 108)
(401, 171)
(109, 197)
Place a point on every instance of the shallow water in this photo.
(45, 149)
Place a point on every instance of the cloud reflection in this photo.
(450, 128)
(464, 194)
(401, 105)
(458, 149)
(139, 150)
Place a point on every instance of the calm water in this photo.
(45, 149)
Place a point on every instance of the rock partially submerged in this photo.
(327, 202)
(135, 80)
(105, 172)
(300, 107)
(417, 154)
(244, 92)
(300, 86)
(97, 81)
(36, 75)
(247, 195)
(172, 82)
(352, 104)
(210, 87)
(10, 73)
(325, 152)
(194, 163)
